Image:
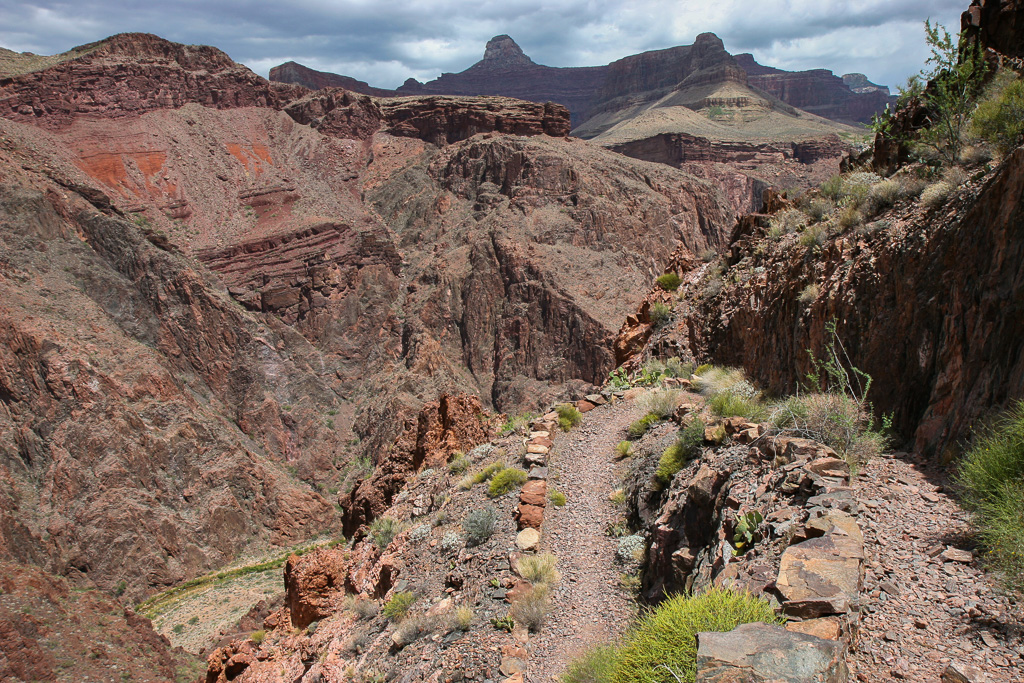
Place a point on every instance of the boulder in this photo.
(584, 406)
(820, 576)
(534, 492)
(528, 539)
(766, 653)
(312, 582)
(530, 516)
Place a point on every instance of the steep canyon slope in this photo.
(219, 291)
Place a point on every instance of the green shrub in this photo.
(397, 608)
(642, 426)
(786, 222)
(479, 525)
(674, 367)
(660, 313)
(727, 404)
(669, 282)
(991, 480)
(506, 480)
(624, 449)
(383, 530)
(480, 477)
(595, 666)
(569, 416)
(515, 424)
(850, 217)
(459, 463)
(832, 188)
(675, 457)
(662, 648)
(539, 569)
(557, 498)
(506, 623)
(180, 628)
(661, 403)
(258, 636)
(999, 119)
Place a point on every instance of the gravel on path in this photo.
(589, 607)
(927, 601)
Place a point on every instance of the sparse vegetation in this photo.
(623, 450)
(557, 498)
(936, 194)
(660, 313)
(569, 416)
(452, 542)
(462, 618)
(669, 282)
(813, 237)
(506, 623)
(883, 195)
(661, 402)
(675, 457)
(459, 463)
(539, 569)
(674, 367)
(999, 118)
(729, 394)
(595, 666)
(413, 628)
(640, 427)
(256, 636)
(991, 481)
(383, 530)
(809, 293)
(505, 481)
(486, 474)
(479, 525)
(786, 222)
(361, 607)
(516, 424)
(397, 608)
(531, 609)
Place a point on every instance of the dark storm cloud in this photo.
(386, 41)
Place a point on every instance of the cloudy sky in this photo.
(386, 41)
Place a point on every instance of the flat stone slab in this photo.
(537, 448)
(538, 473)
(820, 576)
(763, 653)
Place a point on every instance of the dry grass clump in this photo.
(462, 618)
(459, 463)
(539, 569)
(414, 628)
(818, 208)
(486, 474)
(661, 402)
(623, 450)
(569, 416)
(955, 176)
(834, 419)
(936, 194)
(812, 237)
(531, 609)
(398, 606)
(361, 607)
(809, 293)
(384, 529)
(850, 217)
(786, 222)
(659, 313)
(884, 195)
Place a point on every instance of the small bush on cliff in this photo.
(786, 222)
(506, 480)
(640, 427)
(531, 609)
(459, 463)
(568, 416)
(883, 195)
(809, 293)
(818, 208)
(660, 313)
(361, 607)
(669, 282)
(813, 237)
(662, 648)
(936, 194)
(462, 619)
(679, 453)
(832, 188)
(479, 525)
(623, 450)
(516, 424)
(414, 628)
(383, 530)
(999, 119)
(539, 569)
(662, 402)
(991, 478)
(397, 608)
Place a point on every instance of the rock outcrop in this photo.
(850, 98)
(297, 74)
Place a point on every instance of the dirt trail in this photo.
(589, 606)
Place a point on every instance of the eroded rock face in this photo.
(999, 26)
(312, 583)
(819, 91)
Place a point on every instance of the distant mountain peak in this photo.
(503, 52)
